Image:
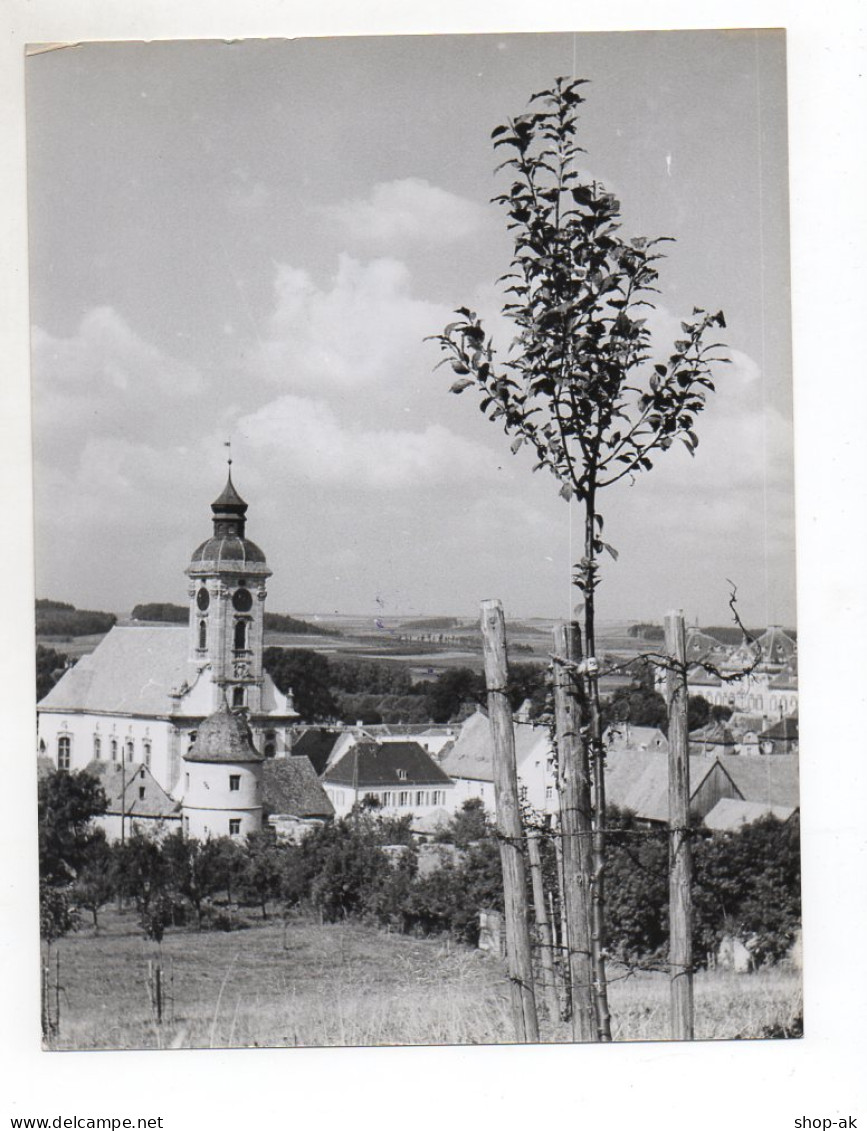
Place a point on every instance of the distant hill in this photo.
(430, 624)
(166, 613)
(57, 618)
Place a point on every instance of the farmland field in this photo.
(306, 984)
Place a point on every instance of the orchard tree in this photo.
(581, 385)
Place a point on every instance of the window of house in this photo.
(141, 773)
(141, 792)
(234, 782)
(64, 752)
(97, 747)
(401, 775)
(403, 798)
(234, 826)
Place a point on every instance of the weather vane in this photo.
(228, 444)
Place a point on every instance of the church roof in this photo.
(224, 736)
(228, 497)
(226, 551)
(133, 670)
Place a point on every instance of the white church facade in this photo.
(143, 693)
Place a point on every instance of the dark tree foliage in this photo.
(748, 884)
(470, 824)
(95, 883)
(346, 866)
(638, 889)
(697, 712)
(308, 676)
(195, 869)
(67, 803)
(50, 666)
(142, 870)
(57, 916)
(162, 611)
(370, 677)
(638, 704)
(452, 691)
(262, 870)
(55, 618)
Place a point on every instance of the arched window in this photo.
(64, 752)
(203, 635)
(237, 696)
(147, 753)
(270, 748)
(129, 750)
(114, 750)
(97, 747)
(240, 635)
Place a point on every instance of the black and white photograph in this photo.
(415, 596)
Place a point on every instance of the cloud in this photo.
(304, 438)
(408, 211)
(103, 380)
(364, 328)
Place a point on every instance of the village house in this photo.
(398, 778)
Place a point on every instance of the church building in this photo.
(143, 693)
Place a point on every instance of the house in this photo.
(638, 782)
(781, 738)
(730, 813)
(137, 803)
(400, 778)
(712, 739)
(141, 695)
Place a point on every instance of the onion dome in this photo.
(227, 550)
(224, 737)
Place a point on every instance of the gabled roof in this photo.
(729, 813)
(718, 735)
(772, 779)
(699, 677)
(290, 787)
(786, 729)
(371, 764)
(776, 645)
(625, 736)
(315, 744)
(133, 670)
(638, 781)
(700, 644)
(135, 777)
(471, 755)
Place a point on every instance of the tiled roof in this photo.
(786, 728)
(224, 736)
(718, 735)
(290, 787)
(627, 736)
(772, 779)
(368, 764)
(135, 776)
(315, 744)
(131, 671)
(638, 781)
(729, 813)
(228, 551)
(471, 755)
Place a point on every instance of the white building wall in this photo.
(210, 803)
(82, 729)
(395, 801)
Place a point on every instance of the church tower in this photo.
(227, 605)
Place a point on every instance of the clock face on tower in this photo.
(242, 600)
(203, 599)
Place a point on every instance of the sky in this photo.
(250, 241)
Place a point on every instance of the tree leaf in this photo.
(459, 386)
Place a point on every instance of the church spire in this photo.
(229, 511)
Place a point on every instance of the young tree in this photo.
(95, 883)
(580, 386)
(68, 802)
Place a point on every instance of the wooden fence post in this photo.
(573, 783)
(543, 925)
(680, 845)
(509, 829)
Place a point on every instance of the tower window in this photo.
(234, 782)
(64, 752)
(203, 635)
(270, 748)
(237, 696)
(234, 826)
(240, 635)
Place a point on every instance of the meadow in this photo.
(300, 983)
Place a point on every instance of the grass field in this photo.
(306, 984)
